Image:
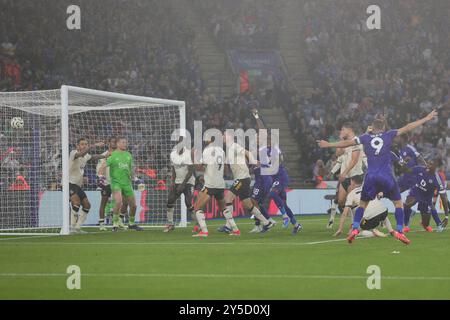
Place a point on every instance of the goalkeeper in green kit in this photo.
(120, 164)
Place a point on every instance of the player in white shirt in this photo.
(352, 164)
(375, 213)
(237, 160)
(337, 166)
(77, 162)
(213, 162)
(183, 182)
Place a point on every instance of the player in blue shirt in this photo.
(379, 178)
(410, 158)
(261, 187)
(280, 179)
(427, 181)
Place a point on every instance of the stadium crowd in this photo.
(142, 48)
(152, 54)
(402, 71)
(242, 24)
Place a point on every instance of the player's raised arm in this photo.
(338, 144)
(411, 126)
(251, 158)
(84, 151)
(259, 123)
(97, 157)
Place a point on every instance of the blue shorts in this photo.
(261, 188)
(280, 180)
(424, 202)
(375, 183)
(406, 181)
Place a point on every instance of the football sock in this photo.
(399, 217)
(228, 214)
(333, 210)
(407, 213)
(170, 215)
(82, 218)
(115, 220)
(201, 220)
(435, 216)
(255, 211)
(74, 215)
(358, 217)
(264, 211)
(284, 208)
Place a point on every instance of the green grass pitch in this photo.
(275, 265)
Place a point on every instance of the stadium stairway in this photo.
(214, 67)
(276, 119)
(292, 46)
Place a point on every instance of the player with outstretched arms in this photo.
(120, 164)
(352, 164)
(77, 162)
(379, 177)
(183, 182)
(213, 163)
(427, 181)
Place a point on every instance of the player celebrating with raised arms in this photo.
(183, 182)
(77, 162)
(120, 164)
(377, 147)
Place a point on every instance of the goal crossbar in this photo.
(69, 100)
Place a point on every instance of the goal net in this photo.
(35, 146)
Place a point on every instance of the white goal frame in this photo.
(65, 89)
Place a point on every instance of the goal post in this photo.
(37, 154)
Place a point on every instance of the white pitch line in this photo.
(241, 276)
(195, 242)
(26, 237)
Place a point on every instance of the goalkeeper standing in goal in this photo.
(104, 182)
(120, 165)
